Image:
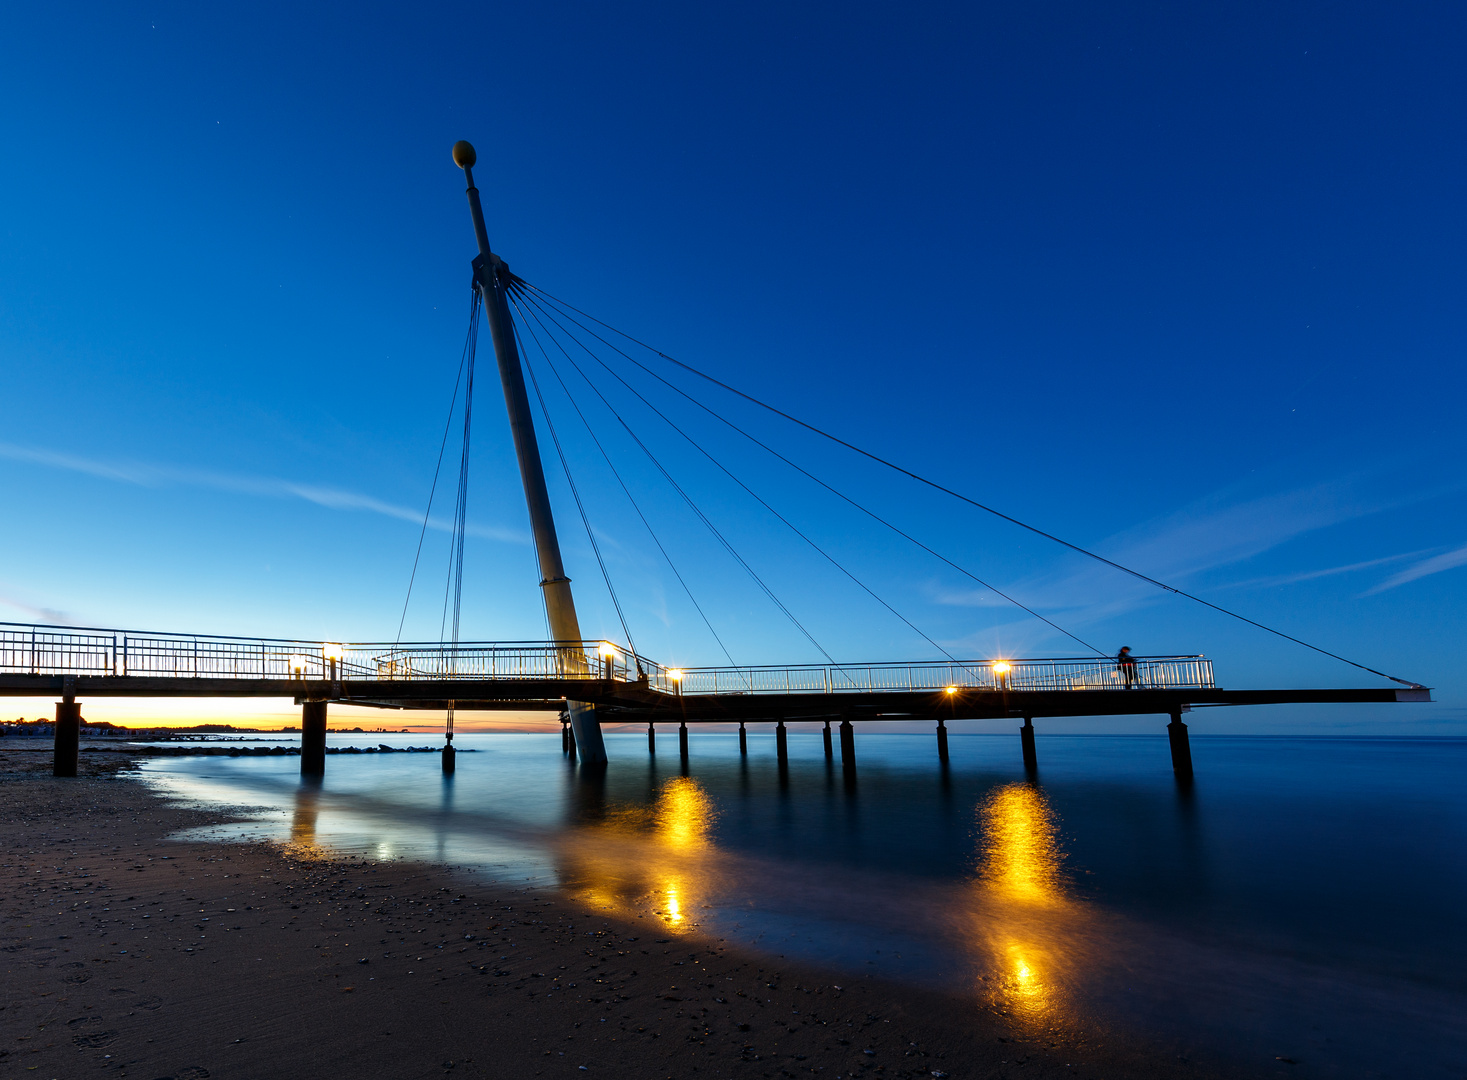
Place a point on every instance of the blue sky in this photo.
(1181, 285)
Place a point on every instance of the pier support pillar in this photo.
(941, 741)
(564, 735)
(1181, 746)
(847, 745)
(450, 758)
(651, 737)
(571, 739)
(1026, 737)
(313, 738)
(743, 740)
(68, 737)
(829, 750)
(682, 740)
(781, 743)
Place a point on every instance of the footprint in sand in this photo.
(96, 1039)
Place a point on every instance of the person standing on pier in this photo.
(1127, 663)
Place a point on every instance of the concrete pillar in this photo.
(1181, 746)
(682, 740)
(651, 738)
(847, 744)
(829, 750)
(571, 736)
(450, 759)
(743, 740)
(68, 737)
(1026, 737)
(564, 736)
(941, 741)
(313, 738)
(781, 743)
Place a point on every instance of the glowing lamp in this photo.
(608, 649)
(1001, 668)
(298, 664)
(675, 675)
(952, 689)
(331, 650)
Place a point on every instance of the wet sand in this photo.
(128, 952)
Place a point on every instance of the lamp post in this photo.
(1001, 669)
(332, 651)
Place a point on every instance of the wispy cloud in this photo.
(1186, 547)
(39, 614)
(158, 476)
(1435, 565)
(1217, 531)
(1310, 575)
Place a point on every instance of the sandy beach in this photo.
(127, 951)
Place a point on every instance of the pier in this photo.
(622, 687)
(589, 683)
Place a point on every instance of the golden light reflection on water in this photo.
(1021, 853)
(684, 814)
(656, 857)
(1019, 869)
(673, 909)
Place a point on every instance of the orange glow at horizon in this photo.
(268, 714)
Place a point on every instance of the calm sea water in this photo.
(1304, 900)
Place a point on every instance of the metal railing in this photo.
(56, 650)
(1150, 672)
(61, 650)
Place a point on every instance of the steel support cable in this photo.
(775, 600)
(970, 501)
(631, 499)
(469, 342)
(461, 512)
(752, 494)
(733, 552)
(575, 492)
(839, 494)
